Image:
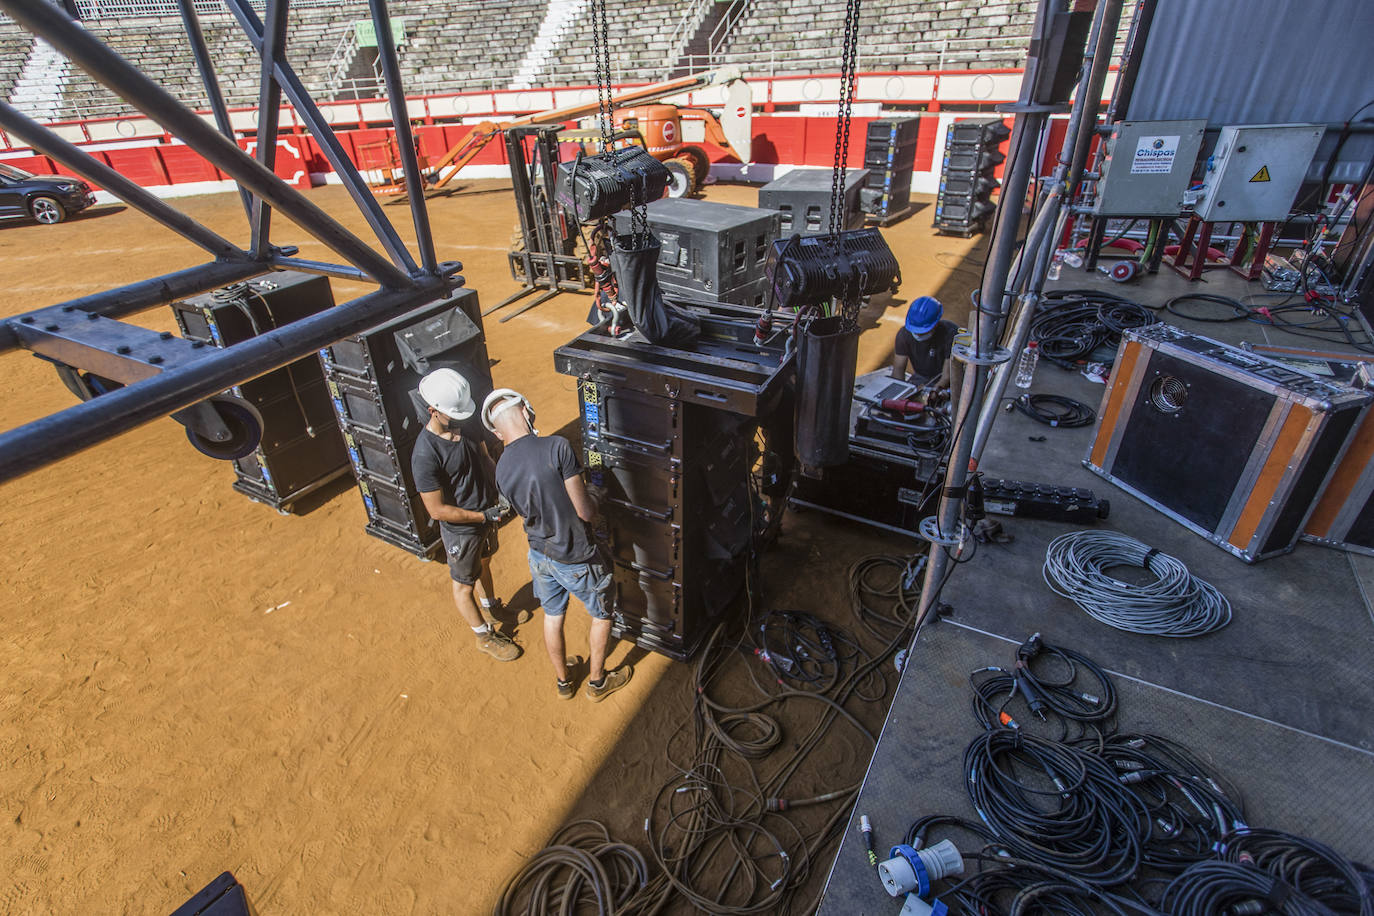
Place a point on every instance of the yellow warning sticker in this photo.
(1262, 174)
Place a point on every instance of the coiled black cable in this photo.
(1046, 679)
(1313, 869)
(1055, 410)
(1057, 805)
(804, 651)
(1190, 812)
(1213, 888)
(1072, 323)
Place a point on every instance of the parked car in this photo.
(46, 198)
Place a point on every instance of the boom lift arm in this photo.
(733, 129)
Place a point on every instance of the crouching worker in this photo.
(541, 478)
(457, 482)
(921, 352)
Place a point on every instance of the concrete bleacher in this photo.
(640, 44)
(445, 47)
(481, 45)
(454, 46)
(804, 35)
(14, 50)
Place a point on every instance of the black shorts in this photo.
(466, 550)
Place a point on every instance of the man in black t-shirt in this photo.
(921, 352)
(541, 477)
(455, 478)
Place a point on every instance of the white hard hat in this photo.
(449, 393)
(498, 401)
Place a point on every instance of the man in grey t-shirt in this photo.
(541, 477)
(453, 475)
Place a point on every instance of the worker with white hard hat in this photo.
(541, 478)
(456, 479)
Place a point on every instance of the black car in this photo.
(46, 198)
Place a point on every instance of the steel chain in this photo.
(849, 53)
(601, 51)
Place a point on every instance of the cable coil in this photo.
(1176, 604)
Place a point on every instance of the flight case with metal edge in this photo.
(1231, 445)
(301, 448)
(372, 379)
(670, 433)
(1344, 515)
(711, 251)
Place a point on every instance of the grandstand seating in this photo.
(14, 50)
(639, 44)
(470, 45)
(803, 35)
(446, 47)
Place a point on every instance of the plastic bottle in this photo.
(1056, 265)
(1025, 365)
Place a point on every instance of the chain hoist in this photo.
(601, 48)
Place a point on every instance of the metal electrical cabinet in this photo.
(1255, 171)
(372, 379)
(301, 448)
(711, 250)
(671, 436)
(1147, 167)
(1233, 446)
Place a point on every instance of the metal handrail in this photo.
(143, 9)
(725, 29)
(340, 62)
(682, 34)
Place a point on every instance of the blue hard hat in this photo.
(923, 315)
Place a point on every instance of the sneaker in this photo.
(613, 681)
(501, 648)
(566, 689)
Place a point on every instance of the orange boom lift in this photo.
(660, 125)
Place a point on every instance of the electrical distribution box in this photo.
(1256, 170)
(1147, 167)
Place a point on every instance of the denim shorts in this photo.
(553, 581)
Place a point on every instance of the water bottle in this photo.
(1025, 365)
(1056, 265)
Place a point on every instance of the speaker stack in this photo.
(372, 380)
(890, 157)
(802, 196)
(711, 251)
(966, 183)
(301, 448)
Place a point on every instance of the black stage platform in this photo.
(1280, 701)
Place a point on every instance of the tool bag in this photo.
(635, 262)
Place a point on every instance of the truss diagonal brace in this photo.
(320, 129)
(86, 51)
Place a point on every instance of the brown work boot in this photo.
(612, 682)
(501, 648)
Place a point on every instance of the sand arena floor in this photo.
(190, 682)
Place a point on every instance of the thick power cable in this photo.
(1176, 603)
